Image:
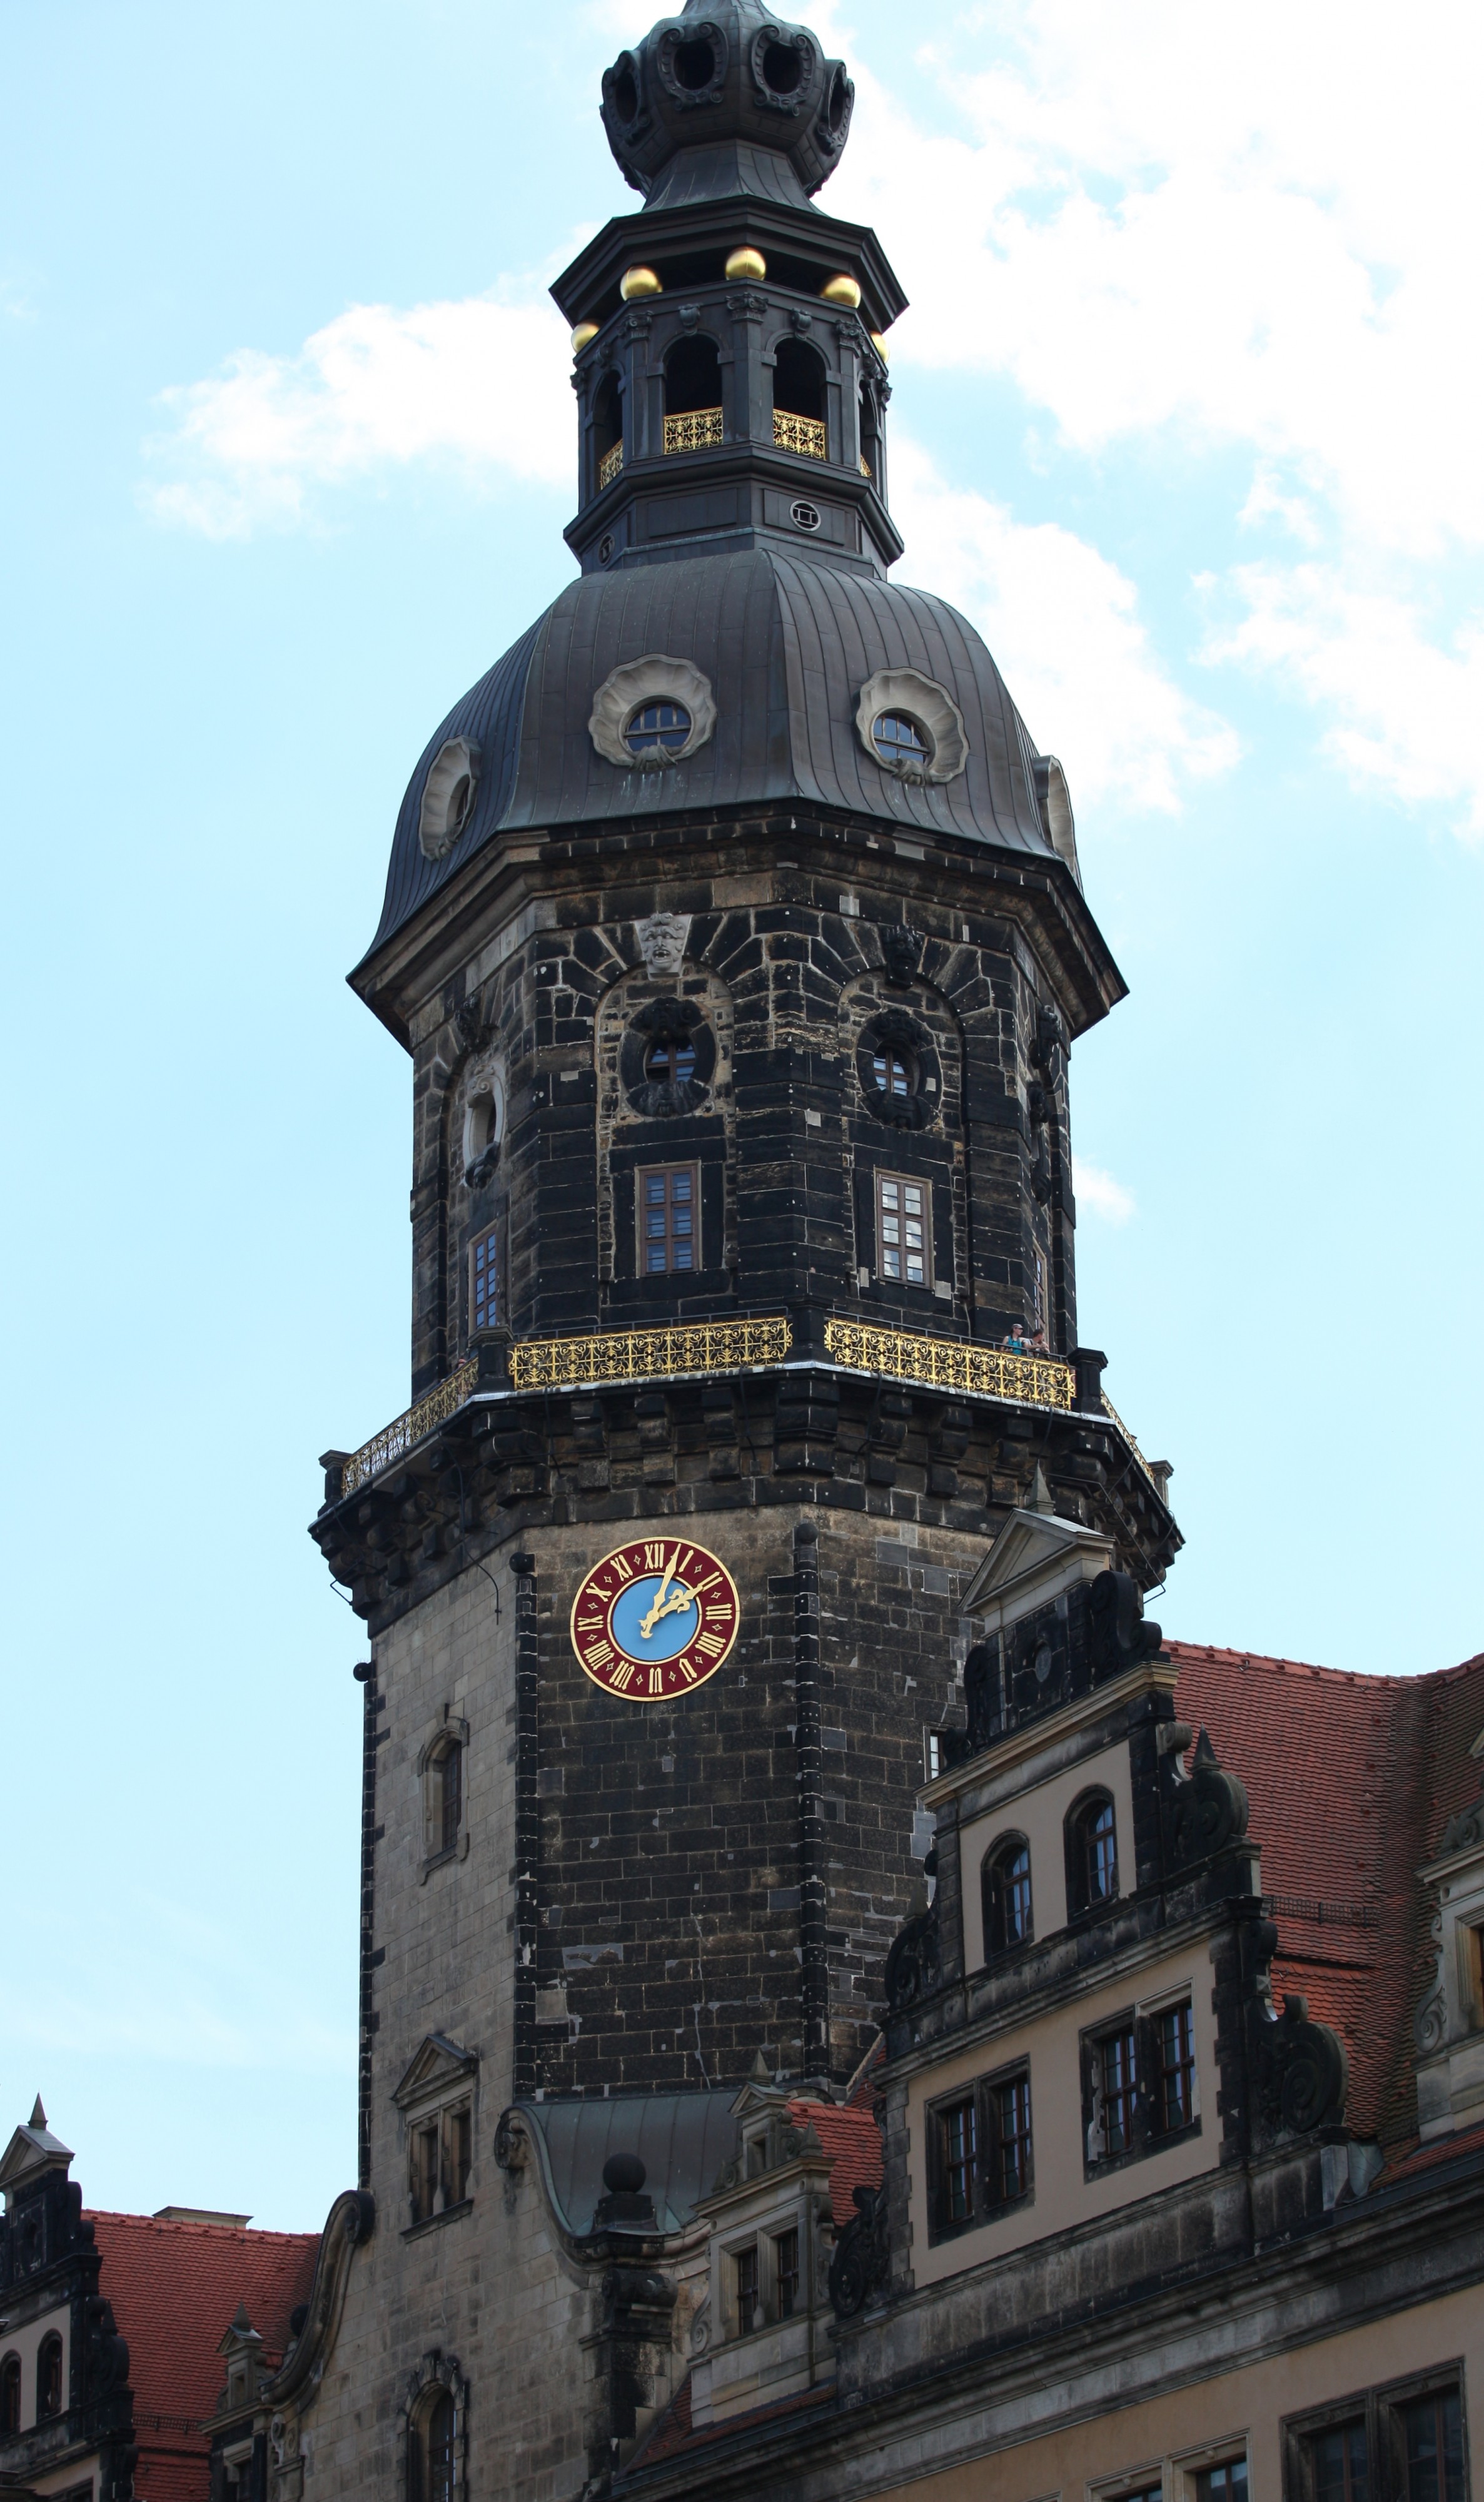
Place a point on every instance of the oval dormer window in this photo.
(911, 727)
(655, 726)
(448, 796)
(652, 712)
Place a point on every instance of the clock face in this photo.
(655, 1618)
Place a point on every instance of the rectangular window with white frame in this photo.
(903, 1229)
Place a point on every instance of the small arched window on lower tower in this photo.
(1005, 1882)
(444, 1796)
(693, 396)
(48, 2379)
(1092, 1854)
(430, 2450)
(10, 2396)
(798, 401)
(608, 431)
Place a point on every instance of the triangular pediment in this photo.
(33, 2150)
(439, 2062)
(1033, 1549)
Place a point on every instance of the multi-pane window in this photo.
(484, 1282)
(745, 2264)
(49, 2378)
(461, 2153)
(657, 725)
(785, 2271)
(961, 2146)
(1433, 2429)
(1092, 1854)
(671, 1059)
(431, 2453)
(426, 2167)
(1145, 2493)
(1338, 2463)
(1174, 2064)
(1118, 2084)
(10, 2395)
(669, 1212)
(892, 1072)
(1226, 2482)
(1007, 1898)
(1012, 2140)
(903, 1229)
(899, 741)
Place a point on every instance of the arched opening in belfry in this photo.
(692, 376)
(798, 401)
(608, 428)
(870, 432)
(693, 396)
(799, 380)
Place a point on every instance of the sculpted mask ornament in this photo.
(663, 943)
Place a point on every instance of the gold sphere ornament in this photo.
(841, 291)
(746, 263)
(584, 332)
(881, 348)
(639, 282)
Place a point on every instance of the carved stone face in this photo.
(662, 943)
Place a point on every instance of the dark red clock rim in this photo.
(679, 1675)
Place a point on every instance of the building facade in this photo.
(775, 1801)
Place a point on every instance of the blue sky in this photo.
(1186, 417)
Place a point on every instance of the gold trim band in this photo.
(640, 1355)
(950, 1364)
(396, 1439)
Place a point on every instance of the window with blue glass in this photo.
(483, 1280)
(656, 726)
(669, 1219)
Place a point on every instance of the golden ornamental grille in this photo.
(641, 1354)
(695, 431)
(396, 1439)
(610, 464)
(1112, 1412)
(803, 434)
(950, 1364)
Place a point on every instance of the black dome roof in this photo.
(787, 645)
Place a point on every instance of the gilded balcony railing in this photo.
(695, 431)
(641, 1354)
(950, 1364)
(395, 1441)
(609, 466)
(804, 434)
(1112, 1412)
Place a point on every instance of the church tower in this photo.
(736, 932)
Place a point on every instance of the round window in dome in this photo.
(448, 796)
(898, 740)
(657, 726)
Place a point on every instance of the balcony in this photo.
(805, 435)
(697, 431)
(609, 466)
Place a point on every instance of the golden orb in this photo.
(746, 263)
(881, 348)
(841, 291)
(639, 282)
(584, 331)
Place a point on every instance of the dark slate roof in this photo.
(787, 644)
(682, 2139)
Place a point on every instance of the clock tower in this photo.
(736, 932)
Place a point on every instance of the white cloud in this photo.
(1204, 230)
(1097, 1190)
(1063, 622)
(478, 383)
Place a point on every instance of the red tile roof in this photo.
(1351, 1780)
(851, 2141)
(175, 2289)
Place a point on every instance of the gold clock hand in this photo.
(648, 1623)
(677, 1601)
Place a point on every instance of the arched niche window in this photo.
(49, 2378)
(1006, 1883)
(1091, 1853)
(693, 396)
(608, 430)
(444, 1795)
(431, 2446)
(10, 2396)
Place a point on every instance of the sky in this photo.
(1186, 418)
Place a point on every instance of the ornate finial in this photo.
(38, 2115)
(730, 79)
